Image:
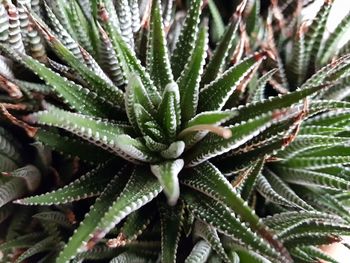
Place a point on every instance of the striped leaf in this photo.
(158, 63)
(215, 95)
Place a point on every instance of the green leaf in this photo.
(136, 93)
(213, 145)
(210, 118)
(171, 219)
(77, 97)
(78, 241)
(167, 175)
(209, 234)
(21, 181)
(9, 147)
(215, 95)
(148, 124)
(158, 63)
(55, 217)
(107, 135)
(297, 66)
(285, 191)
(169, 110)
(219, 216)
(141, 189)
(315, 34)
(185, 44)
(199, 253)
(44, 245)
(250, 182)
(318, 254)
(257, 92)
(80, 25)
(95, 83)
(254, 109)
(253, 18)
(23, 241)
(129, 62)
(134, 149)
(125, 20)
(267, 191)
(62, 30)
(72, 146)
(316, 162)
(91, 184)
(311, 227)
(189, 79)
(127, 257)
(217, 25)
(284, 220)
(135, 224)
(330, 46)
(313, 178)
(108, 59)
(174, 150)
(207, 179)
(217, 62)
(321, 75)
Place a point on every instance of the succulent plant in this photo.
(181, 149)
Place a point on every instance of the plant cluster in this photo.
(150, 135)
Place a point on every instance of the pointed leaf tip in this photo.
(167, 174)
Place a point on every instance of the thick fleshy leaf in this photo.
(250, 181)
(213, 145)
(135, 224)
(96, 84)
(217, 62)
(127, 257)
(158, 63)
(207, 179)
(91, 184)
(282, 101)
(222, 218)
(283, 190)
(78, 242)
(102, 133)
(77, 97)
(21, 181)
(215, 95)
(199, 253)
(190, 77)
(217, 27)
(297, 67)
(141, 189)
(171, 219)
(169, 110)
(41, 246)
(308, 178)
(209, 234)
(330, 46)
(167, 175)
(315, 34)
(185, 44)
(129, 62)
(72, 146)
(136, 93)
(55, 217)
(23, 241)
(125, 20)
(257, 92)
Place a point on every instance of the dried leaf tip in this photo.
(102, 13)
(261, 55)
(120, 241)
